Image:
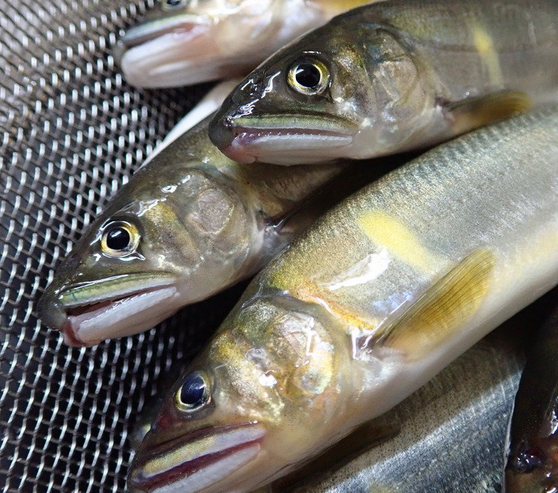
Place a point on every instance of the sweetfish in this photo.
(532, 461)
(362, 309)
(183, 42)
(392, 76)
(187, 225)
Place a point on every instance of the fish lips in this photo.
(305, 141)
(170, 52)
(125, 309)
(200, 460)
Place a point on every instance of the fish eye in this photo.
(119, 238)
(308, 76)
(194, 392)
(171, 4)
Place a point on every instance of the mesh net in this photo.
(71, 133)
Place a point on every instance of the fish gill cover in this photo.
(71, 133)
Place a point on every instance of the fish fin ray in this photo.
(443, 308)
(476, 112)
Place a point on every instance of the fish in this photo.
(362, 309)
(189, 224)
(393, 76)
(184, 42)
(532, 461)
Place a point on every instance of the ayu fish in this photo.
(393, 76)
(532, 462)
(362, 309)
(183, 42)
(188, 224)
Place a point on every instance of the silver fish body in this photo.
(187, 225)
(392, 76)
(362, 309)
(186, 42)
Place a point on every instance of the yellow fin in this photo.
(476, 112)
(444, 308)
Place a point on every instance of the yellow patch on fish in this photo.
(444, 308)
(485, 46)
(398, 239)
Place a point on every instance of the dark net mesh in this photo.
(71, 133)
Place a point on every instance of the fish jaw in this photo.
(208, 460)
(171, 54)
(88, 313)
(309, 140)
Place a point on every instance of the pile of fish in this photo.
(376, 274)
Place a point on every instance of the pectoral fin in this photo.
(477, 112)
(444, 308)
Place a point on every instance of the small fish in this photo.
(393, 76)
(183, 42)
(189, 223)
(186, 226)
(532, 463)
(362, 309)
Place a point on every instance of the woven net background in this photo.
(71, 132)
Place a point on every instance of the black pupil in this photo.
(193, 390)
(308, 75)
(173, 3)
(118, 238)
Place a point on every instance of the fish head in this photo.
(168, 238)
(264, 396)
(183, 42)
(327, 96)
(532, 467)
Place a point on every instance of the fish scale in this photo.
(483, 225)
(393, 76)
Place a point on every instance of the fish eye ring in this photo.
(194, 392)
(120, 238)
(308, 76)
(172, 4)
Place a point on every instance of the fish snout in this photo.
(211, 459)
(53, 315)
(221, 131)
(50, 311)
(224, 134)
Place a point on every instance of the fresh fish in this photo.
(208, 105)
(392, 76)
(532, 464)
(362, 309)
(188, 224)
(184, 42)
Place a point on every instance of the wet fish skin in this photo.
(392, 76)
(362, 309)
(188, 42)
(203, 223)
(532, 464)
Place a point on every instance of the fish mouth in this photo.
(308, 141)
(87, 313)
(202, 460)
(176, 52)
(148, 31)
